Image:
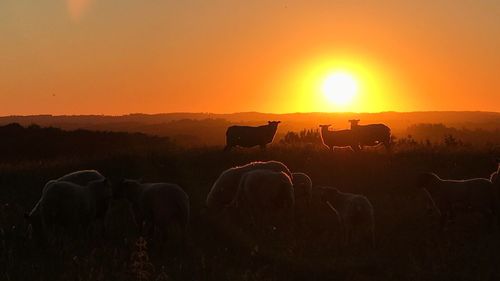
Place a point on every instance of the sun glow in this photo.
(340, 88)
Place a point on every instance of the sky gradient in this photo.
(222, 56)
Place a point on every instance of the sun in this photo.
(340, 88)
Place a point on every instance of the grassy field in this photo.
(409, 246)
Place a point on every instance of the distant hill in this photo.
(209, 129)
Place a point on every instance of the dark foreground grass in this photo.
(409, 246)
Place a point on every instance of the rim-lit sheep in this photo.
(82, 178)
(246, 136)
(371, 134)
(68, 209)
(449, 196)
(340, 138)
(157, 207)
(225, 187)
(268, 196)
(356, 213)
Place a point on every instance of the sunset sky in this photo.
(222, 56)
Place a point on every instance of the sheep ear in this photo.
(27, 216)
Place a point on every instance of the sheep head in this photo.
(324, 126)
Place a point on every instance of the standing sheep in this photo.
(356, 213)
(370, 135)
(246, 136)
(341, 138)
(465, 195)
(66, 208)
(225, 187)
(156, 206)
(268, 196)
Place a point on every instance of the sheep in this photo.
(156, 206)
(476, 194)
(69, 208)
(268, 196)
(225, 187)
(246, 136)
(371, 135)
(82, 177)
(341, 138)
(356, 215)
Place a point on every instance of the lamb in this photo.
(371, 135)
(66, 208)
(225, 187)
(268, 196)
(356, 214)
(459, 195)
(341, 138)
(246, 136)
(156, 206)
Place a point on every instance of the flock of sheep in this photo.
(355, 138)
(268, 195)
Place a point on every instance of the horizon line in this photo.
(243, 112)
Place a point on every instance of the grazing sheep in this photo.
(68, 208)
(356, 213)
(81, 178)
(246, 136)
(341, 138)
(156, 206)
(370, 135)
(225, 187)
(459, 195)
(268, 196)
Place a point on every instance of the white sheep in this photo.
(371, 134)
(66, 208)
(157, 207)
(356, 214)
(340, 138)
(225, 187)
(268, 196)
(468, 195)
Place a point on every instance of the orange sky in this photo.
(117, 57)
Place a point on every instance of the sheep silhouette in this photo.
(371, 134)
(340, 138)
(247, 136)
